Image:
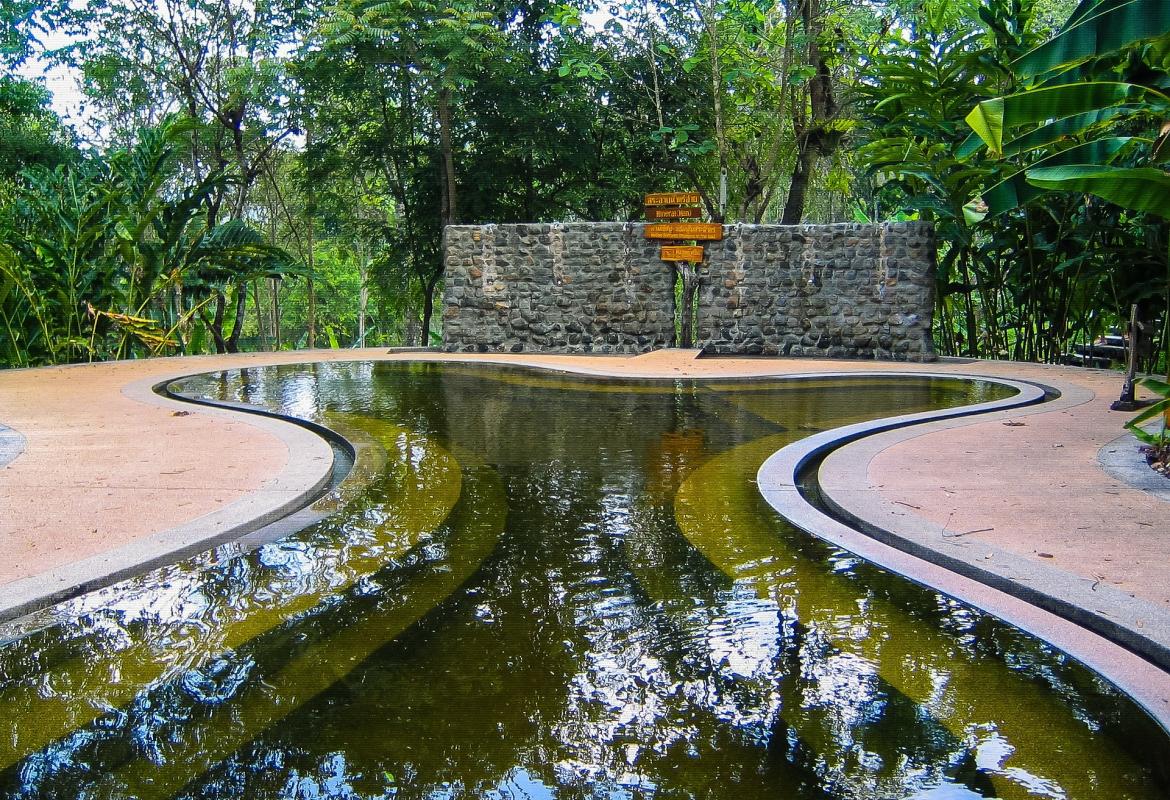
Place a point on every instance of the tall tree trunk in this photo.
(813, 137)
(450, 213)
(215, 324)
(311, 319)
(233, 340)
(708, 16)
(180, 330)
(261, 317)
(409, 323)
(798, 189)
(428, 309)
(363, 295)
(276, 313)
(972, 321)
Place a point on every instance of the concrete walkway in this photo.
(98, 475)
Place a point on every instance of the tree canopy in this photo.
(279, 174)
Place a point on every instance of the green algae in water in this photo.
(558, 587)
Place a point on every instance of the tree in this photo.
(221, 64)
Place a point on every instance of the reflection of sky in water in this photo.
(578, 648)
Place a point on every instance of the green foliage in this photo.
(16, 30)
(95, 255)
(1090, 123)
(350, 133)
(1138, 188)
(1023, 272)
(1161, 408)
(1097, 28)
(30, 133)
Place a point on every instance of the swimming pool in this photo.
(553, 586)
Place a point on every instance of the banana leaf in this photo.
(1139, 189)
(1097, 27)
(1016, 190)
(991, 119)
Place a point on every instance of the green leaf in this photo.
(1160, 388)
(1062, 128)
(986, 119)
(1138, 189)
(1016, 190)
(1156, 410)
(991, 118)
(1097, 28)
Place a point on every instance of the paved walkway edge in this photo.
(1123, 459)
(306, 474)
(1042, 601)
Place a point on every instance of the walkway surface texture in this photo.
(94, 466)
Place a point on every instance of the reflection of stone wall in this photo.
(851, 291)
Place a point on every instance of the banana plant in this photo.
(1094, 118)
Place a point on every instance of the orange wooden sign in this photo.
(685, 212)
(672, 199)
(681, 252)
(708, 231)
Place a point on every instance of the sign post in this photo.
(685, 257)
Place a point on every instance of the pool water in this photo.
(550, 586)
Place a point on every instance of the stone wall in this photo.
(849, 291)
(841, 291)
(579, 288)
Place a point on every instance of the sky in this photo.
(64, 83)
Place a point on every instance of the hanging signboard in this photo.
(672, 199)
(684, 212)
(698, 231)
(680, 252)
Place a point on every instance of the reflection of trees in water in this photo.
(594, 653)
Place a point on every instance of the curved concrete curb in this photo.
(1062, 609)
(1136, 624)
(1121, 459)
(306, 474)
(11, 444)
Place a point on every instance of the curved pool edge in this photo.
(1123, 639)
(306, 476)
(1128, 671)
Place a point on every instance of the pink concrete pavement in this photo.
(106, 465)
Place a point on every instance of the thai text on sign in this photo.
(680, 252)
(672, 199)
(709, 231)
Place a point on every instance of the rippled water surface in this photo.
(545, 586)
